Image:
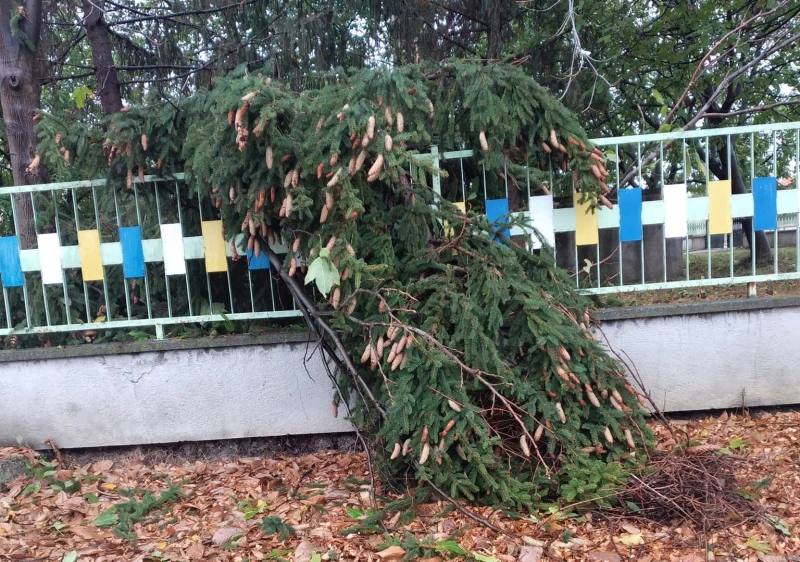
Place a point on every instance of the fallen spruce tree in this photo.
(469, 359)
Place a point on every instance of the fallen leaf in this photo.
(603, 556)
(631, 529)
(304, 552)
(336, 495)
(631, 540)
(195, 551)
(530, 553)
(225, 534)
(757, 545)
(392, 553)
(102, 466)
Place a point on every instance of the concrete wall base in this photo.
(165, 392)
(696, 356)
(716, 354)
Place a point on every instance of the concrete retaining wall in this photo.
(721, 354)
(717, 354)
(190, 390)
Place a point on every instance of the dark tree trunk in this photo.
(494, 40)
(19, 94)
(102, 56)
(760, 245)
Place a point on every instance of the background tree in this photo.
(19, 93)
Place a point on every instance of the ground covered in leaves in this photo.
(301, 508)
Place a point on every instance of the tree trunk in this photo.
(494, 41)
(102, 56)
(19, 94)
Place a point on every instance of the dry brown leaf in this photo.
(225, 534)
(394, 552)
(531, 554)
(303, 552)
(604, 556)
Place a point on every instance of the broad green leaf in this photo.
(665, 128)
(227, 321)
(780, 525)
(72, 486)
(80, 95)
(32, 488)
(355, 513)
(762, 484)
(323, 273)
(316, 557)
(452, 547)
(91, 498)
(657, 95)
(633, 507)
(107, 518)
(737, 443)
(699, 163)
(757, 545)
(70, 556)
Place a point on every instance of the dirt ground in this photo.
(96, 507)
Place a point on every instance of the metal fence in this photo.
(152, 256)
(676, 194)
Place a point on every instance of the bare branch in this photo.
(174, 15)
(756, 109)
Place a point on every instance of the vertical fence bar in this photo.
(124, 281)
(7, 307)
(271, 290)
(6, 302)
(106, 303)
(663, 226)
(619, 239)
(640, 181)
(180, 221)
(166, 277)
(708, 221)
(577, 267)
(686, 183)
(78, 229)
(775, 174)
(552, 193)
(598, 263)
(730, 152)
(63, 272)
(797, 187)
(752, 223)
(528, 179)
(36, 232)
(250, 285)
(505, 177)
(141, 226)
(208, 276)
(641, 257)
(485, 195)
(463, 184)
